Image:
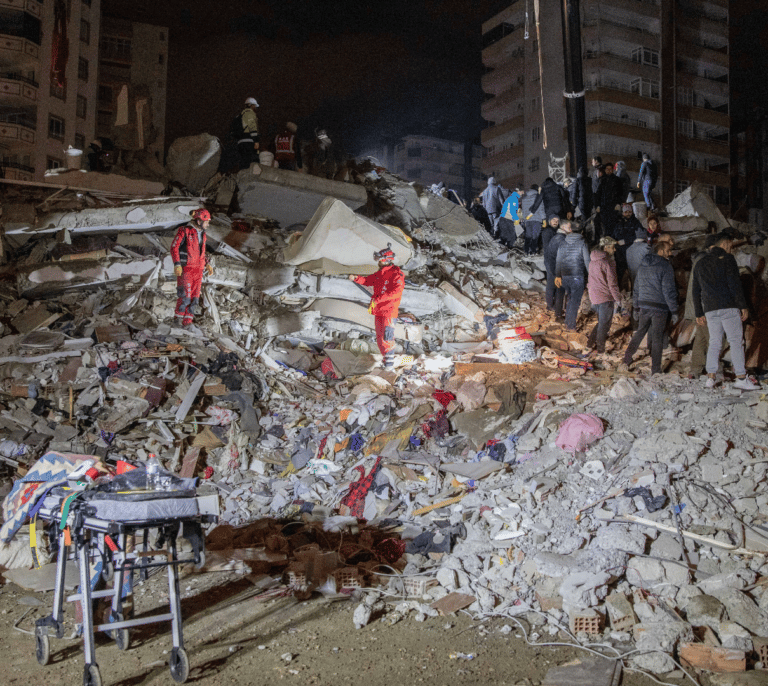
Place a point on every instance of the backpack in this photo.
(236, 131)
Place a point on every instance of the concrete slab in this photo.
(358, 314)
(291, 197)
(336, 232)
(193, 160)
(117, 184)
(694, 201)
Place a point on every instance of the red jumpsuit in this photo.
(388, 284)
(188, 252)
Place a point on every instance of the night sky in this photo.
(364, 70)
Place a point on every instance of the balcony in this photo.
(703, 84)
(504, 102)
(493, 132)
(18, 51)
(622, 95)
(705, 115)
(647, 9)
(503, 157)
(594, 28)
(18, 90)
(633, 129)
(509, 47)
(503, 79)
(17, 132)
(704, 144)
(702, 53)
(619, 63)
(33, 7)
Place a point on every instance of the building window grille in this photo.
(56, 128)
(685, 127)
(535, 134)
(646, 56)
(534, 165)
(648, 88)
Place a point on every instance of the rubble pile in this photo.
(613, 508)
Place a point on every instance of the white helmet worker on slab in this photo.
(248, 139)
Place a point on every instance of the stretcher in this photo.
(110, 534)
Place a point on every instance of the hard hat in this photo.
(201, 215)
(384, 255)
(251, 101)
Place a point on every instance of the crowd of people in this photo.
(591, 240)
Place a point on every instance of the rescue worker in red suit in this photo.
(388, 284)
(189, 262)
(287, 152)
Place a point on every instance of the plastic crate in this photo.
(347, 577)
(590, 624)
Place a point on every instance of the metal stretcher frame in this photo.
(91, 536)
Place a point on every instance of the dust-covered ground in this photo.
(234, 637)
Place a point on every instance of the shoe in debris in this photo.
(711, 382)
(746, 384)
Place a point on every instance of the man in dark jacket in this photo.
(624, 231)
(596, 173)
(532, 213)
(608, 196)
(719, 301)
(555, 294)
(571, 267)
(552, 198)
(548, 231)
(581, 195)
(655, 296)
(478, 212)
(646, 180)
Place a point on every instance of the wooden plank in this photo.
(711, 658)
(453, 602)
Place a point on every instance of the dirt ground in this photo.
(232, 637)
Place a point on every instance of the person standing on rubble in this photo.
(532, 213)
(719, 303)
(654, 295)
(248, 134)
(625, 231)
(509, 219)
(555, 294)
(478, 213)
(493, 199)
(701, 333)
(552, 197)
(608, 199)
(571, 268)
(189, 263)
(581, 195)
(548, 231)
(287, 153)
(388, 284)
(603, 287)
(646, 180)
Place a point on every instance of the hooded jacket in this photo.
(550, 252)
(552, 198)
(572, 257)
(690, 310)
(609, 193)
(655, 287)
(635, 254)
(581, 196)
(603, 284)
(648, 173)
(621, 172)
(716, 284)
(532, 203)
(492, 197)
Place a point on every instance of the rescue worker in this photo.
(388, 284)
(287, 153)
(189, 262)
(248, 142)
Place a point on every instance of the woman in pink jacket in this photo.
(603, 287)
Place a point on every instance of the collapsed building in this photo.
(603, 506)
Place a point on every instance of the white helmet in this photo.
(251, 101)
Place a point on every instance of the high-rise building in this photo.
(429, 160)
(133, 69)
(656, 78)
(48, 62)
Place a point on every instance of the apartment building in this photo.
(656, 79)
(428, 160)
(48, 64)
(133, 71)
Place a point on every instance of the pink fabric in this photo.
(579, 431)
(602, 284)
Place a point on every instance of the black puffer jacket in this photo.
(552, 197)
(550, 253)
(655, 288)
(716, 283)
(626, 228)
(609, 192)
(581, 196)
(572, 256)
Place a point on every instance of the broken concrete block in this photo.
(590, 672)
(458, 303)
(733, 636)
(358, 314)
(694, 201)
(451, 219)
(704, 610)
(287, 323)
(742, 609)
(620, 612)
(193, 160)
(291, 198)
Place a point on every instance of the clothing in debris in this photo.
(188, 251)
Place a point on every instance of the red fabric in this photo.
(327, 368)
(186, 238)
(188, 287)
(579, 431)
(388, 284)
(355, 498)
(284, 147)
(444, 397)
(381, 324)
(59, 44)
(602, 283)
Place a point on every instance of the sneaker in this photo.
(710, 382)
(746, 384)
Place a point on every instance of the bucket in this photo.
(266, 159)
(74, 157)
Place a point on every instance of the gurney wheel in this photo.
(42, 649)
(91, 675)
(122, 639)
(179, 664)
